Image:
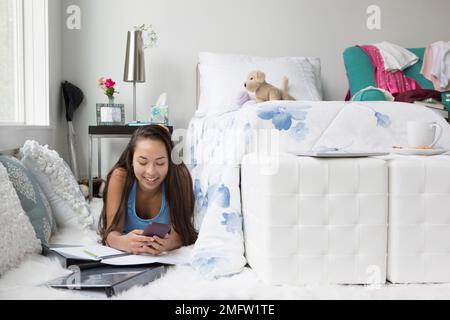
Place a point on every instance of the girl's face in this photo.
(150, 163)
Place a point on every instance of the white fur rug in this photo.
(181, 282)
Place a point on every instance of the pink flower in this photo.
(107, 86)
(109, 83)
(101, 81)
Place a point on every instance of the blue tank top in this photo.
(134, 222)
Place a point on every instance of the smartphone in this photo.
(156, 229)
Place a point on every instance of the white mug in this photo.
(422, 133)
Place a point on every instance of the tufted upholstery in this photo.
(309, 220)
(419, 220)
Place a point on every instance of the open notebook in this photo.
(110, 256)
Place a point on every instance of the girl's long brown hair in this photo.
(178, 187)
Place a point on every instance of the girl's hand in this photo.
(171, 241)
(136, 243)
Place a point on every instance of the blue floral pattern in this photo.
(219, 195)
(383, 120)
(201, 199)
(299, 132)
(232, 221)
(205, 261)
(216, 194)
(282, 116)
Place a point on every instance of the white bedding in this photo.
(217, 143)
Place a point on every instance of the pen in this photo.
(106, 257)
(90, 254)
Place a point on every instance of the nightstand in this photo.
(100, 132)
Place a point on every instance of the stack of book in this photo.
(434, 105)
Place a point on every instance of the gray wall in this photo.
(57, 113)
(322, 28)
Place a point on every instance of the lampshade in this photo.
(134, 59)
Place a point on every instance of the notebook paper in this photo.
(107, 255)
(94, 253)
(179, 256)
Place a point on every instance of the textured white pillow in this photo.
(222, 77)
(212, 58)
(17, 236)
(62, 190)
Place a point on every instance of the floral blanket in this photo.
(216, 144)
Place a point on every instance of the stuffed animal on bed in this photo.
(256, 82)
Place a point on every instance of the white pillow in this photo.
(211, 58)
(222, 77)
(62, 190)
(17, 236)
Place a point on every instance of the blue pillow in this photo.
(32, 198)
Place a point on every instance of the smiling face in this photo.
(150, 164)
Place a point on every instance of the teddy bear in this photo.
(256, 83)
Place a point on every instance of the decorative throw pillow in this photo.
(32, 198)
(17, 236)
(63, 192)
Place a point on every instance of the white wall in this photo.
(322, 28)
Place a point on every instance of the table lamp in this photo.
(134, 63)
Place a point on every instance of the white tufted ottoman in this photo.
(310, 220)
(419, 219)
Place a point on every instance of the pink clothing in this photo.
(392, 81)
(426, 69)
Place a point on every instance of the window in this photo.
(24, 62)
(11, 108)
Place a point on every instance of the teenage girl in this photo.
(144, 186)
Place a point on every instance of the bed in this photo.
(220, 136)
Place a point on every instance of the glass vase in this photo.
(110, 99)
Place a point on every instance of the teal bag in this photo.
(369, 95)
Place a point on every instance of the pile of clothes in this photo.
(389, 61)
(436, 65)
